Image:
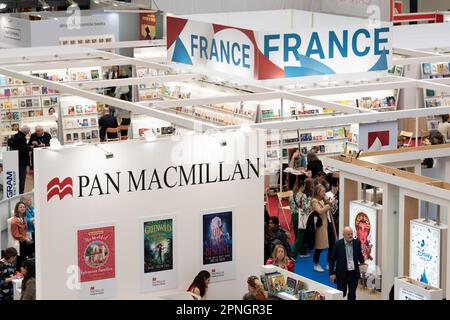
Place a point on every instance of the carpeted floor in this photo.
(303, 266)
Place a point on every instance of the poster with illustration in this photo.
(363, 220)
(147, 26)
(218, 244)
(158, 270)
(96, 261)
(424, 253)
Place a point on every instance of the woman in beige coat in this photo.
(321, 234)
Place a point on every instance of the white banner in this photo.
(10, 174)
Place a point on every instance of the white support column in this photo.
(401, 232)
(341, 202)
(389, 238)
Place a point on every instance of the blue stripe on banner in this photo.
(180, 53)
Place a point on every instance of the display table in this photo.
(328, 292)
(17, 288)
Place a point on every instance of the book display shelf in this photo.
(79, 120)
(433, 98)
(22, 102)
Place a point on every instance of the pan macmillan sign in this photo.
(149, 180)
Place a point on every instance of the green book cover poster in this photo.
(158, 245)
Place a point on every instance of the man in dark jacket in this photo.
(344, 264)
(20, 144)
(279, 235)
(105, 122)
(39, 139)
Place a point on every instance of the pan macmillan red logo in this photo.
(59, 188)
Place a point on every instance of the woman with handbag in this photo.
(320, 208)
(300, 205)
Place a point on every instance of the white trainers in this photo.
(318, 268)
(305, 255)
(327, 267)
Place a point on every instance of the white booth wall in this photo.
(58, 219)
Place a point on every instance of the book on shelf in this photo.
(291, 286)
(278, 283)
(426, 68)
(430, 92)
(79, 109)
(311, 295)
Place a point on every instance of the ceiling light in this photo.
(3, 6)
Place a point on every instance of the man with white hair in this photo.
(344, 263)
(20, 144)
(39, 139)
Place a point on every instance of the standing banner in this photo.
(96, 262)
(158, 253)
(425, 252)
(363, 219)
(10, 174)
(218, 244)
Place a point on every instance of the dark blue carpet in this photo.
(304, 267)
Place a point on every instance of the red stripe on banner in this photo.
(416, 17)
(174, 27)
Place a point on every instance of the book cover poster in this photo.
(218, 248)
(147, 26)
(158, 245)
(424, 255)
(363, 220)
(96, 261)
(158, 253)
(96, 254)
(217, 237)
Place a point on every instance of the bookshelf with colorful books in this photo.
(21, 101)
(433, 98)
(79, 120)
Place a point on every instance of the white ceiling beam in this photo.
(128, 44)
(420, 60)
(90, 84)
(347, 119)
(70, 64)
(387, 178)
(129, 106)
(407, 154)
(414, 53)
(357, 87)
(49, 58)
(140, 62)
(323, 104)
(424, 84)
(212, 100)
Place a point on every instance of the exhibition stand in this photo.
(174, 200)
(397, 224)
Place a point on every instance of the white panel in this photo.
(56, 247)
(421, 36)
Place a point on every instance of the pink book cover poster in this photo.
(96, 258)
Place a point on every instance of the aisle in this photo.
(303, 266)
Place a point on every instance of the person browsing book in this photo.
(344, 264)
(255, 289)
(38, 139)
(314, 165)
(199, 287)
(300, 205)
(281, 259)
(7, 273)
(105, 122)
(29, 280)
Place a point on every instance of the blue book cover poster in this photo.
(217, 237)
